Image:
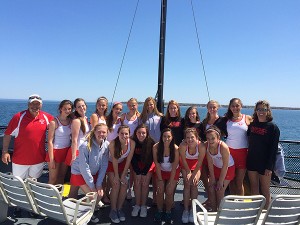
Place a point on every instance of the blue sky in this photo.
(64, 49)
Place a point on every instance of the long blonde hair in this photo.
(144, 114)
(91, 135)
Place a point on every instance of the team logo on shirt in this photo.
(42, 121)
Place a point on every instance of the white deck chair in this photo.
(15, 192)
(49, 201)
(233, 210)
(283, 209)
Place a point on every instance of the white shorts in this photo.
(25, 171)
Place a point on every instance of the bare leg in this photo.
(236, 185)
(137, 188)
(170, 191)
(145, 188)
(186, 191)
(254, 182)
(220, 193)
(265, 188)
(73, 191)
(160, 190)
(122, 195)
(115, 189)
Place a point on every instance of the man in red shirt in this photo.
(29, 128)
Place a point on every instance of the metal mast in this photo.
(161, 64)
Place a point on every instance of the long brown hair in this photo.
(110, 117)
(168, 116)
(160, 147)
(146, 151)
(118, 148)
(144, 114)
(187, 121)
(77, 115)
(229, 113)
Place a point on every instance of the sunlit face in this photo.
(66, 109)
(150, 106)
(173, 110)
(167, 137)
(117, 109)
(81, 108)
(193, 115)
(100, 133)
(261, 112)
(141, 134)
(132, 106)
(34, 107)
(235, 106)
(190, 138)
(124, 134)
(212, 108)
(101, 105)
(212, 138)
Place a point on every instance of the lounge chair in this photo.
(15, 192)
(49, 202)
(283, 209)
(233, 210)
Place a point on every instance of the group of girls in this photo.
(158, 147)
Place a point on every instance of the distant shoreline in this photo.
(181, 104)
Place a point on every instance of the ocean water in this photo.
(288, 121)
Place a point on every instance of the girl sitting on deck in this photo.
(220, 164)
(191, 156)
(166, 159)
(121, 150)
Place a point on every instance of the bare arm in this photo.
(94, 120)
(5, 154)
(52, 127)
(75, 132)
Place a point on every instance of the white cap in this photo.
(35, 97)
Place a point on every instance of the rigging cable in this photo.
(199, 47)
(124, 53)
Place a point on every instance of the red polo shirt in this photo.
(29, 145)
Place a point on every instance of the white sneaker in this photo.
(143, 212)
(191, 216)
(135, 211)
(185, 216)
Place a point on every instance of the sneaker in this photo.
(94, 219)
(191, 216)
(158, 216)
(168, 218)
(129, 195)
(143, 212)
(121, 215)
(113, 215)
(185, 216)
(135, 211)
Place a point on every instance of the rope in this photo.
(200, 51)
(124, 53)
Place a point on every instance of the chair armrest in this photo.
(196, 203)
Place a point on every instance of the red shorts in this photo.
(121, 166)
(240, 157)
(165, 175)
(78, 180)
(59, 155)
(229, 175)
(152, 168)
(69, 156)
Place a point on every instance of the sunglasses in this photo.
(261, 110)
(35, 97)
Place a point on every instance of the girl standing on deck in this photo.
(220, 164)
(151, 117)
(166, 159)
(79, 129)
(174, 121)
(99, 116)
(113, 121)
(59, 141)
(88, 169)
(263, 144)
(141, 164)
(121, 150)
(237, 141)
(131, 118)
(191, 155)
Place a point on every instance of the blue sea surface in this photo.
(288, 121)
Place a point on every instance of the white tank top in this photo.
(62, 135)
(218, 159)
(237, 133)
(132, 124)
(124, 155)
(166, 165)
(114, 133)
(81, 135)
(101, 120)
(189, 156)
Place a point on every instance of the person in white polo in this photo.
(29, 128)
